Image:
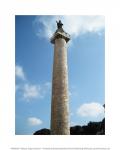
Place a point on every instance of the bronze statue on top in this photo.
(59, 24)
(60, 33)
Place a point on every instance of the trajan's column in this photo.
(60, 96)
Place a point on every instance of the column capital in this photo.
(60, 33)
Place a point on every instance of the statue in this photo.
(59, 24)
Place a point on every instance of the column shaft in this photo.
(60, 98)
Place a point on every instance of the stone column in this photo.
(60, 95)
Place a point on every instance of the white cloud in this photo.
(33, 121)
(19, 72)
(74, 25)
(90, 110)
(31, 91)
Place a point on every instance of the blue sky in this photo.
(34, 59)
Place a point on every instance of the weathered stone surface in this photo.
(60, 98)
